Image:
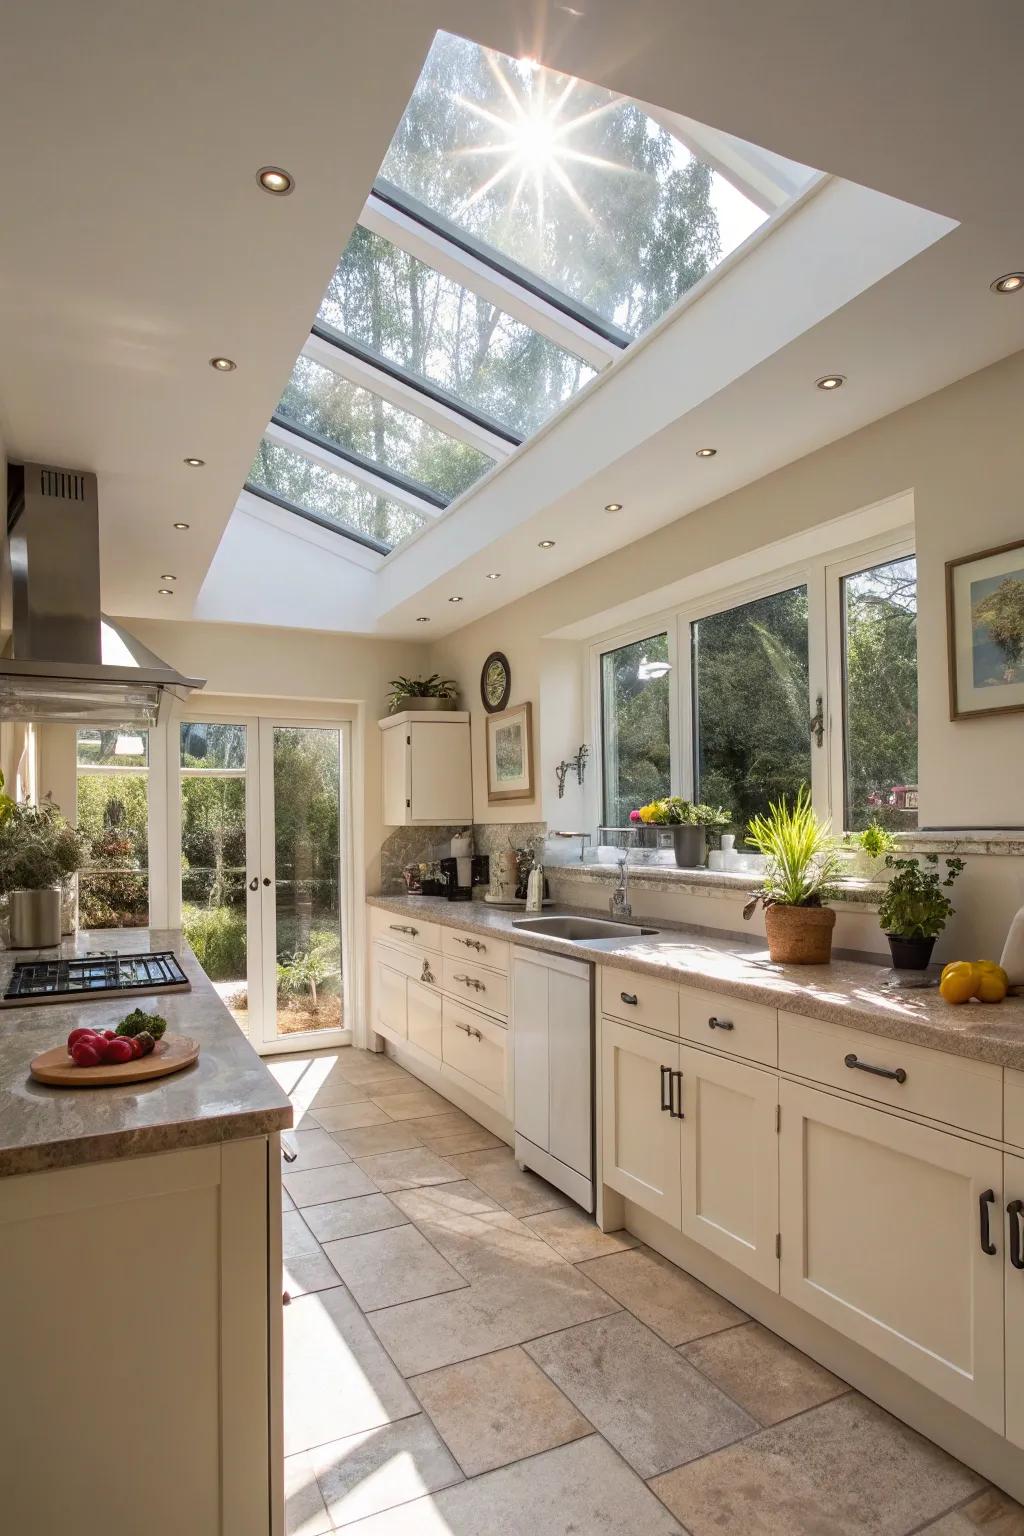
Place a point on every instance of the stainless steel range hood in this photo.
(67, 661)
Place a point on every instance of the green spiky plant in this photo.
(432, 687)
(803, 862)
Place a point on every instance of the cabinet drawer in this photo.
(475, 946)
(405, 931)
(474, 1045)
(1013, 1107)
(418, 966)
(950, 1089)
(488, 989)
(640, 1000)
(729, 1024)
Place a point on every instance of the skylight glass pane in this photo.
(331, 495)
(575, 183)
(412, 316)
(323, 402)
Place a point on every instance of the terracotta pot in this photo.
(799, 935)
(424, 706)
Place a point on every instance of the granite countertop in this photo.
(846, 992)
(228, 1094)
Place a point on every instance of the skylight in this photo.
(524, 229)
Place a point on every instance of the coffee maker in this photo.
(460, 875)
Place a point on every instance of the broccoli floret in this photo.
(139, 1022)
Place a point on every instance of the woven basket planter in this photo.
(799, 935)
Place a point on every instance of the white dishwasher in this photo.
(553, 1078)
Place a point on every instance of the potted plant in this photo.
(688, 824)
(803, 863)
(39, 852)
(871, 848)
(433, 692)
(915, 908)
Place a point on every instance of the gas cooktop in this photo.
(94, 975)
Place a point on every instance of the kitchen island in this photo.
(140, 1275)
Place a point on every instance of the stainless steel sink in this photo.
(580, 930)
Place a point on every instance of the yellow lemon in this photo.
(959, 981)
(993, 982)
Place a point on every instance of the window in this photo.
(329, 496)
(879, 613)
(213, 849)
(750, 691)
(113, 812)
(635, 683)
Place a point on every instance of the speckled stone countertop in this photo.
(228, 1094)
(845, 992)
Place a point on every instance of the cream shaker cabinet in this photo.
(893, 1235)
(639, 1118)
(1013, 1245)
(426, 769)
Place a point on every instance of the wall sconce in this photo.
(576, 765)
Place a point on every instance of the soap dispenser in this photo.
(1012, 960)
(535, 889)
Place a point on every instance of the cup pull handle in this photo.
(629, 997)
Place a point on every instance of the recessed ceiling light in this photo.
(706, 453)
(164, 592)
(1010, 282)
(455, 599)
(493, 575)
(546, 544)
(831, 381)
(195, 463)
(168, 577)
(273, 179)
(223, 364)
(423, 621)
(613, 506)
(182, 527)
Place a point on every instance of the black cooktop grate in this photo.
(94, 975)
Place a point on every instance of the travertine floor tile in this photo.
(651, 1404)
(496, 1409)
(992, 1513)
(416, 1105)
(305, 1513)
(287, 1203)
(382, 1269)
(483, 1241)
(764, 1374)
(358, 1066)
(382, 1468)
(844, 1469)
(577, 1236)
(348, 1218)
(387, 1136)
(337, 1379)
(678, 1307)
(318, 1185)
(340, 1091)
(314, 1149)
(453, 1133)
(521, 1193)
(582, 1489)
(306, 1266)
(348, 1117)
(408, 1170)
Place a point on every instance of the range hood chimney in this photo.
(67, 661)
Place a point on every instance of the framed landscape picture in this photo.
(985, 631)
(510, 755)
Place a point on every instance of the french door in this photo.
(264, 806)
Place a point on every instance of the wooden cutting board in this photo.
(171, 1054)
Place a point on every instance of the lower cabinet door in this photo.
(424, 1018)
(475, 1046)
(1013, 1187)
(892, 1233)
(389, 1008)
(731, 1161)
(639, 1134)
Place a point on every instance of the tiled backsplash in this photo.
(422, 845)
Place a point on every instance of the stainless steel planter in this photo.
(35, 919)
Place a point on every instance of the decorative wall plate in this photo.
(496, 682)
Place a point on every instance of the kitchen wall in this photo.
(960, 453)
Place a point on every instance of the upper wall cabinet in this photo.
(426, 769)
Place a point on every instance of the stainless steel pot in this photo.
(35, 919)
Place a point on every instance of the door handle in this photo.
(266, 879)
(666, 1084)
(1014, 1210)
(898, 1076)
(985, 1199)
(676, 1110)
(714, 1023)
(254, 884)
(629, 997)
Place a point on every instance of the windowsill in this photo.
(708, 882)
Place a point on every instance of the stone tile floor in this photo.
(466, 1354)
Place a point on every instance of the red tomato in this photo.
(87, 1053)
(110, 1034)
(117, 1050)
(136, 1045)
(79, 1034)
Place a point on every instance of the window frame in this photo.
(155, 773)
(822, 574)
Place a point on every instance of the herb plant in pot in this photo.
(915, 908)
(688, 824)
(871, 848)
(803, 864)
(422, 693)
(39, 852)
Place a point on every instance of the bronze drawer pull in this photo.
(715, 1023)
(469, 1030)
(473, 944)
(403, 928)
(471, 981)
(898, 1076)
(629, 997)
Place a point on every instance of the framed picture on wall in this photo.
(510, 755)
(985, 632)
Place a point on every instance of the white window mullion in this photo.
(684, 766)
(817, 688)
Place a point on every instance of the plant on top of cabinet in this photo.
(915, 908)
(433, 692)
(803, 864)
(688, 824)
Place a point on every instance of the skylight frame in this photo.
(345, 532)
(422, 498)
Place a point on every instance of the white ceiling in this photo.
(136, 243)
